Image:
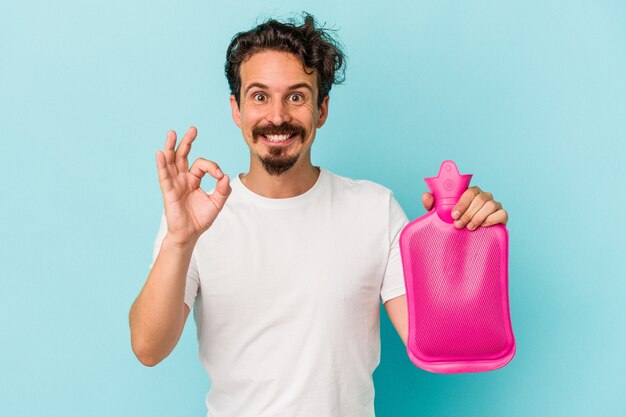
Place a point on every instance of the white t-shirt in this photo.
(287, 296)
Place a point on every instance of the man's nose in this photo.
(278, 113)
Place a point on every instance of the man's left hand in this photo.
(474, 208)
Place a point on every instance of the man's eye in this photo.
(258, 97)
(296, 98)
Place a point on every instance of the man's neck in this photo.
(297, 180)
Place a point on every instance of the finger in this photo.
(486, 210)
(168, 149)
(428, 200)
(465, 201)
(201, 166)
(477, 203)
(170, 140)
(222, 189)
(184, 147)
(165, 180)
(499, 217)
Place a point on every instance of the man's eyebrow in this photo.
(262, 86)
(291, 87)
(301, 85)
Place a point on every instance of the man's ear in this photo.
(323, 112)
(234, 107)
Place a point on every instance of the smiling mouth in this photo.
(279, 135)
(279, 139)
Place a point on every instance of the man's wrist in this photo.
(184, 246)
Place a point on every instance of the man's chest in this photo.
(253, 263)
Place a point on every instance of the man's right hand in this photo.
(189, 209)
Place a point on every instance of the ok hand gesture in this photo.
(189, 209)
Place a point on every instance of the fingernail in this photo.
(458, 223)
(456, 214)
(471, 226)
(218, 172)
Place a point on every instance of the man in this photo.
(286, 264)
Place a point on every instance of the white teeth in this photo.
(277, 138)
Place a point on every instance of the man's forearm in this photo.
(157, 317)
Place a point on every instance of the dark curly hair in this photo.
(313, 45)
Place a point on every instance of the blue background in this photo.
(530, 97)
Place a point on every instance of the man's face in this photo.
(278, 112)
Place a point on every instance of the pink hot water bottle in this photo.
(456, 286)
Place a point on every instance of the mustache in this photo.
(285, 128)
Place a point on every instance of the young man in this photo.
(286, 264)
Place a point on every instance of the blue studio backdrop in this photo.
(530, 97)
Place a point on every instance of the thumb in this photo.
(222, 191)
(428, 200)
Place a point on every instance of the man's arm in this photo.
(158, 315)
(398, 313)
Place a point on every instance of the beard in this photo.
(278, 160)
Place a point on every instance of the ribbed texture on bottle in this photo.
(458, 294)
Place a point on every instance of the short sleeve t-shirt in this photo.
(286, 295)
